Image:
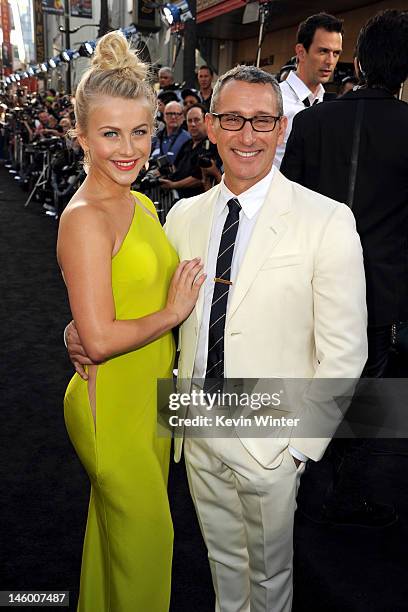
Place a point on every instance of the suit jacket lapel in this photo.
(201, 225)
(269, 229)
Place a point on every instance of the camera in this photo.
(47, 167)
(160, 167)
(165, 164)
(51, 143)
(204, 159)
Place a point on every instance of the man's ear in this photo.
(300, 52)
(283, 124)
(209, 122)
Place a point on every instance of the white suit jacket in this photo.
(298, 309)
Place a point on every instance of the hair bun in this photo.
(113, 52)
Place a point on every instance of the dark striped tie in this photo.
(215, 358)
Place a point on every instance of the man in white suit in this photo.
(285, 292)
(295, 307)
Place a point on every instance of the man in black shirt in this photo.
(354, 150)
(193, 156)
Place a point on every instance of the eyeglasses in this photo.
(168, 114)
(234, 123)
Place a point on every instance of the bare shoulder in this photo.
(82, 224)
(84, 213)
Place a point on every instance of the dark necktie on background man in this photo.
(215, 358)
(306, 102)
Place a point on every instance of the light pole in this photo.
(190, 45)
(67, 44)
(177, 14)
(104, 23)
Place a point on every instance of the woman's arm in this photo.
(84, 250)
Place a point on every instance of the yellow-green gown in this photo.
(126, 564)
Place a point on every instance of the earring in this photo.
(146, 166)
(87, 160)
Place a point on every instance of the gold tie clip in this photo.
(222, 280)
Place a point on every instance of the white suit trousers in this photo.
(246, 515)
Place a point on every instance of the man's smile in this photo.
(246, 154)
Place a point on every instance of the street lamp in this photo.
(69, 54)
(67, 31)
(128, 31)
(87, 48)
(176, 12)
(54, 61)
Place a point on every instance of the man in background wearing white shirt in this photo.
(318, 48)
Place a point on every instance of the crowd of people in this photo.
(44, 120)
(291, 229)
(183, 161)
(34, 145)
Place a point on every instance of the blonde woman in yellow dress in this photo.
(126, 292)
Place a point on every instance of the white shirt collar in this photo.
(251, 200)
(301, 90)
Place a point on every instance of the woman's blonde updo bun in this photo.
(113, 53)
(116, 71)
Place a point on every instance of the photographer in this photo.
(162, 99)
(64, 125)
(190, 98)
(33, 144)
(41, 123)
(20, 122)
(195, 155)
(166, 81)
(53, 128)
(170, 139)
